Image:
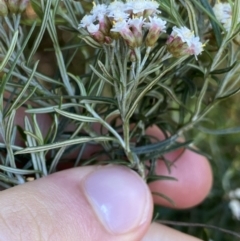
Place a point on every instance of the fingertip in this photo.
(158, 232)
(87, 203)
(192, 171)
(120, 198)
(194, 181)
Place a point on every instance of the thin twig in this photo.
(199, 225)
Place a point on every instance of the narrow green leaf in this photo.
(102, 67)
(224, 70)
(71, 12)
(35, 137)
(38, 131)
(90, 41)
(18, 171)
(159, 152)
(155, 146)
(19, 53)
(113, 113)
(23, 91)
(36, 5)
(100, 75)
(8, 137)
(233, 130)
(164, 197)
(51, 109)
(200, 99)
(31, 141)
(235, 16)
(64, 143)
(231, 93)
(173, 96)
(77, 117)
(10, 50)
(46, 16)
(51, 26)
(192, 16)
(41, 76)
(153, 178)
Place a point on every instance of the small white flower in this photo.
(118, 15)
(234, 205)
(136, 22)
(155, 27)
(136, 27)
(139, 6)
(152, 5)
(93, 28)
(196, 47)
(223, 13)
(182, 41)
(116, 6)
(99, 9)
(156, 22)
(136, 6)
(86, 21)
(183, 33)
(120, 26)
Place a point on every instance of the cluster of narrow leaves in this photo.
(113, 89)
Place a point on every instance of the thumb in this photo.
(86, 203)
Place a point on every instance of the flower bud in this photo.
(108, 40)
(114, 35)
(94, 31)
(3, 8)
(136, 27)
(104, 25)
(123, 28)
(133, 57)
(156, 26)
(13, 5)
(23, 5)
(151, 8)
(177, 47)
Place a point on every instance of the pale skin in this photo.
(56, 207)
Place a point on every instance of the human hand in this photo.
(102, 203)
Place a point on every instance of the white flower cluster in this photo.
(223, 13)
(137, 22)
(193, 46)
(119, 11)
(234, 203)
(125, 19)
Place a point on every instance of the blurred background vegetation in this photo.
(224, 151)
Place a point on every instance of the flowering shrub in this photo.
(114, 70)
